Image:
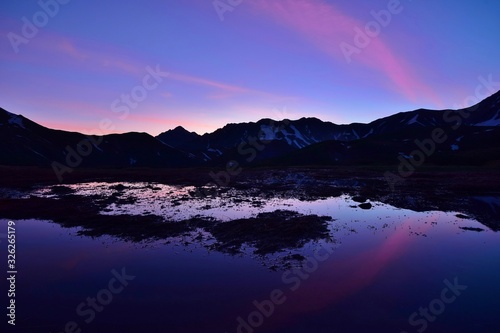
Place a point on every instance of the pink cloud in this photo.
(166, 95)
(327, 27)
(210, 83)
(67, 47)
(108, 58)
(225, 90)
(54, 49)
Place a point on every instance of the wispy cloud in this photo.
(106, 59)
(326, 27)
(210, 83)
(225, 90)
(58, 50)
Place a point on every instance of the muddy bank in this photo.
(270, 232)
(279, 232)
(471, 191)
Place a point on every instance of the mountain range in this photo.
(469, 136)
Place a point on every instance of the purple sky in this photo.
(259, 59)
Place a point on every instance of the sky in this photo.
(114, 66)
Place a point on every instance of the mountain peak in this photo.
(34, 144)
(6, 114)
(180, 129)
(177, 137)
(7, 117)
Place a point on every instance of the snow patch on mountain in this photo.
(16, 120)
(297, 133)
(295, 138)
(494, 121)
(93, 144)
(408, 157)
(217, 151)
(346, 136)
(368, 134)
(491, 122)
(414, 121)
(298, 144)
(267, 133)
(37, 153)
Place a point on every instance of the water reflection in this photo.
(177, 203)
(278, 228)
(201, 263)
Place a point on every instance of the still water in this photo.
(388, 270)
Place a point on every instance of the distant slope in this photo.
(471, 139)
(23, 142)
(470, 146)
(293, 135)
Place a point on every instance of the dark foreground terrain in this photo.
(350, 251)
(475, 193)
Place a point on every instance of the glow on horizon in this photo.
(266, 55)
